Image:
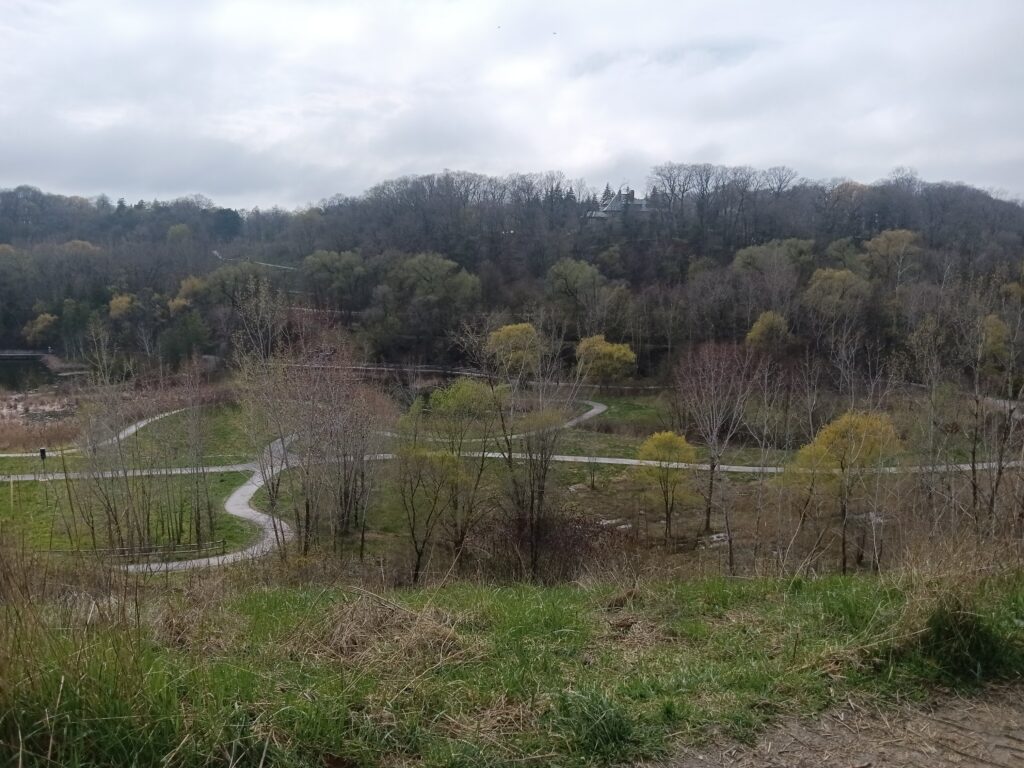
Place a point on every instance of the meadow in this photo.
(637, 647)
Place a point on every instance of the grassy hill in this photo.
(222, 670)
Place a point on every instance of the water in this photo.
(23, 375)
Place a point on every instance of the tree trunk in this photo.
(417, 565)
(843, 518)
(728, 533)
(711, 493)
(669, 509)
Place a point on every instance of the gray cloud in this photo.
(259, 102)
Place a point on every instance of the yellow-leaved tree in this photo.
(770, 334)
(668, 451)
(41, 329)
(842, 454)
(605, 361)
(514, 350)
(121, 304)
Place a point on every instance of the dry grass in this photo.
(496, 724)
(633, 632)
(627, 597)
(30, 421)
(195, 620)
(370, 627)
(575, 675)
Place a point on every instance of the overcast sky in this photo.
(262, 103)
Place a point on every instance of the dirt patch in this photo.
(983, 730)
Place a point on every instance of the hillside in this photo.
(236, 669)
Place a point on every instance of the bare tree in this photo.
(120, 500)
(462, 420)
(196, 436)
(315, 428)
(929, 371)
(713, 384)
(261, 314)
(979, 341)
(262, 387)
(778, 179)
(768, 422)
(353, 440)
(533, 395)
(673, 181)
(424, 477)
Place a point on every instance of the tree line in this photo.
(717, 253)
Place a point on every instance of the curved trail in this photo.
(742, 469)
(595, 409)
(274, 531)
(124, 434)
(114, 473)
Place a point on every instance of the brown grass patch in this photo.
(628, 597)
(193, 620)
(369, 627)
(30, 421)
(634, 632)
(492, 723)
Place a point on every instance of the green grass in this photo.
(38, 514)
(645, 413)
(224, 438)
(165, 442)
(585, 442)
(386, 520)
(468, 675)
(28, 465)
(618, 433)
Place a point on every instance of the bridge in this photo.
(22, 354)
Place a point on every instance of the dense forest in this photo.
(849, 270)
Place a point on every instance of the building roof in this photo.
(619, 203)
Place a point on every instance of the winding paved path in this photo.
(122, 435)
(743, 469)
(274, 531)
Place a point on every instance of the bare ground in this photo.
(983, 730)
